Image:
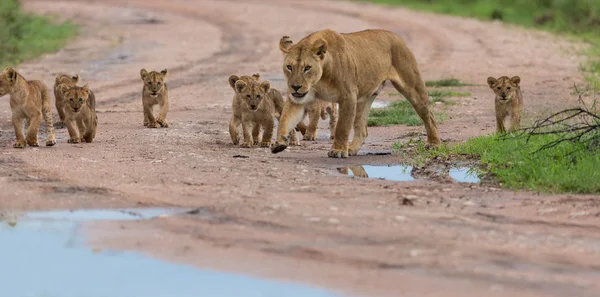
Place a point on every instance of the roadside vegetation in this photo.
(26, 36)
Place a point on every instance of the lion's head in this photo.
(66, 80)
(302, 66)
(8, 80)
(504, 87)
(154, 82)
(250, 89)
(75, 96)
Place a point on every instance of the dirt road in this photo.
(264, 214)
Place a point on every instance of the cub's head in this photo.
(302, 66)
(154, 82)
(8, 80)
(504, 87)
(63, 79)
(75, 96)
(250, 90)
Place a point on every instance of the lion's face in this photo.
(68, 80)
(154, 82)
(75, 96)
(504, 87)
(302, 67)
(252, 92)
(8, 79)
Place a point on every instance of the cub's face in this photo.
(75, 96)
(68, 80)
(302, 67)
(154, 82)
(252, 92)
(504, 87)
(8, 80)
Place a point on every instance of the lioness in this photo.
(59, 98)
(155, 92)
(80, 113)
(29, 102)
(349, 69)
(508, 101)
(255, 105)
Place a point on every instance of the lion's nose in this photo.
(296, 87)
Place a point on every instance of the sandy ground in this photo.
(264, 214)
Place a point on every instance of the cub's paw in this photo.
(32, 143)
(295, 142)
(337, 154)
(163, 123)
(50, 142)
(277, 147)
(265, 144)
(309, 137)
(246, 144)
(235, 142)
(19, 145)
(74, 140)
(353, 152)
(145, 124)
(88, 139)
(153, 125)
(255, 142)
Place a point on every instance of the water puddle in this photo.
(379, 104)
(407, 173)
(43, 254)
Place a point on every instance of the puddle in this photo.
(406, 173)
(379, 104)
(44, 254)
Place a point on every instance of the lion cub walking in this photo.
(509, 101)
(80, 113)
(29, 102)
(155, 92)
(255, 105)
(59, 81)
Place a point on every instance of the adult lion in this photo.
(350, 69)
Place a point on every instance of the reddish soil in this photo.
(264, 214)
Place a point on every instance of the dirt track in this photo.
(266, 213)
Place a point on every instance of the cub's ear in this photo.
(265, 86)
(75, 78)
(515, 80)
(491, 81)
(64, 88)
(12, 74)
(285, 44)
(232, 79)
(240, 85)
(143, 73)
(320, 48)
(164, 73)
(86, 89)
(256, 76)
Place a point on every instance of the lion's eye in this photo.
(306, 68)
(71, 100)
(248, 96)
(508, 88)
(149, 83)
(257, 96)
(80, 100)
(289, 67)
(158, 83)
(499, 88)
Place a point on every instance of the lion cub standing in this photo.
(155, 92)
(80, 113)
(59, 81)
(255, 105)
(509, 101)
(28, 102)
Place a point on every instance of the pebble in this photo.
(333, 221)
(314, 220)
(400, 218)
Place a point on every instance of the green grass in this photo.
(511, 162)
(25, 36)
(447, 82)
(577, 18)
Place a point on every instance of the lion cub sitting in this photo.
(59, 81)
(155, 92)
(255, 105)
(80, 113)
(28, 102)
(509, 101)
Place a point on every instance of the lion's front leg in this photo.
(347, 112)
(291, 115)
(360, 126)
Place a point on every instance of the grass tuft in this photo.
(447, 82)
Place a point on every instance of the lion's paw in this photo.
(19, 144)
(309, 137)
(246, 144)
(153, 125)
(265, 144)
(338, 154)
(73, 140)
(163, 123)
(50, 142)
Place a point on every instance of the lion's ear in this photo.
(63, 89)
(515, 80)
(232, 79)
(143, 73)
(75, 78)
(285, 44)
(240, 85)
(265, 86)
(164, 73)
(256, 76)
(86, 89)
(12, 74)
(320, 48)
(491, 81)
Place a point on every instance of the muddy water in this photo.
(43, 255)
(404, 173)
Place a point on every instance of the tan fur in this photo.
(508, 101)
(349, 69)
(320, 109)
(155, 92)
(80, 113)
(29, 102)
(255, 105)
(59, 99)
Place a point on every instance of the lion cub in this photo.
(155, 92)
(59, 81)
(29, 102)
(320, 109)
(255, 105)
(80, 113)
(509, 101)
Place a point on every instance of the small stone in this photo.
(547, 210)
(469, 203)
(410, 197)
(580, 214)
(333, 221)
(314, 220)
(400, 218)
(333, 208)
